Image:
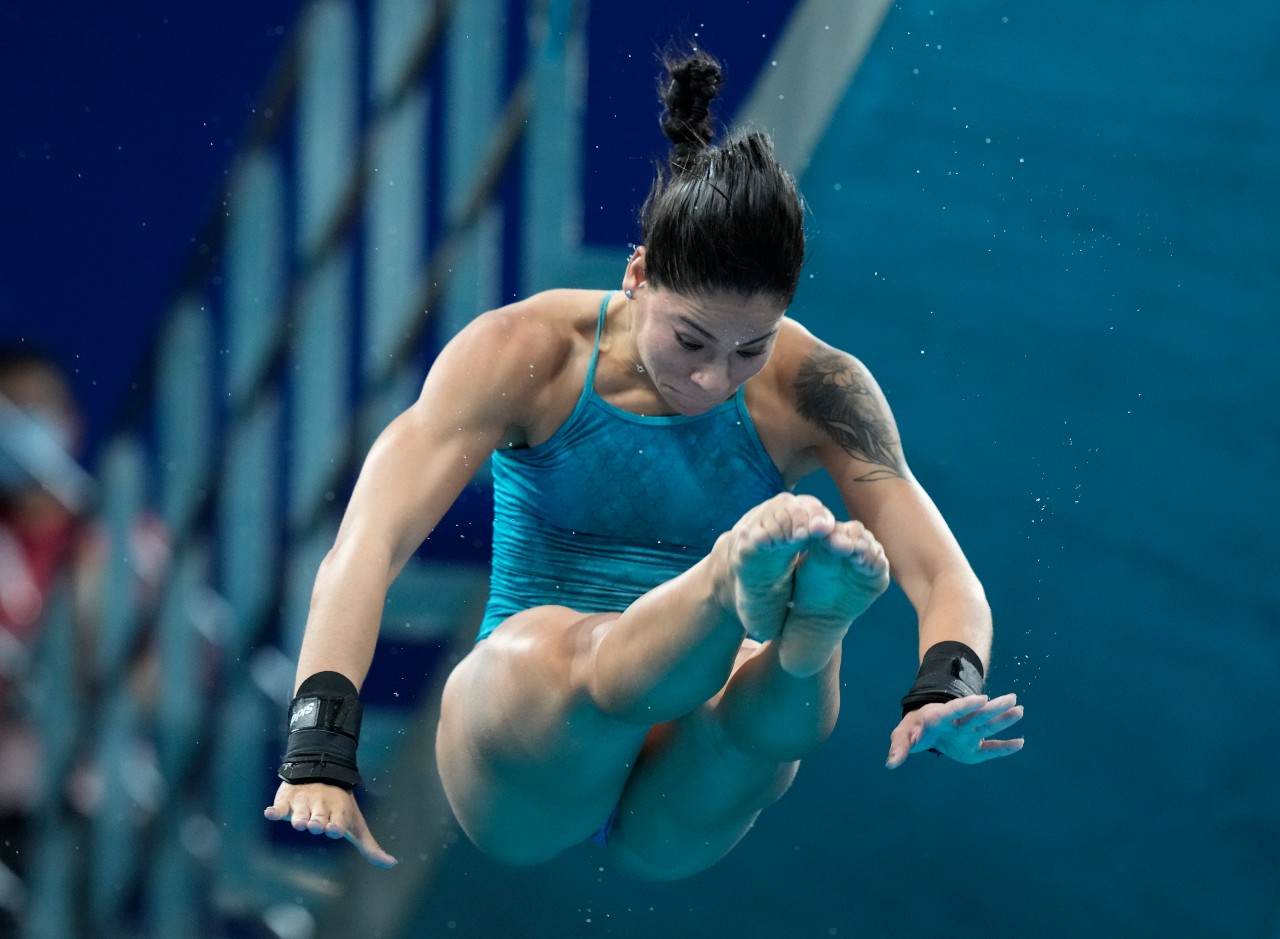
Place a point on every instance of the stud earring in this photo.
(629, 293)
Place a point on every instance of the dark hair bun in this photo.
(692, 82)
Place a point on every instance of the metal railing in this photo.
(176, 837)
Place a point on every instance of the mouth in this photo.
(691, 402)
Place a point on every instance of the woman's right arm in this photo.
(474, 396)
(480, 390)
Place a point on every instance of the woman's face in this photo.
(699, 350)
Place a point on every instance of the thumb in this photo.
(903, 740)
(363, 839)
(898, 749)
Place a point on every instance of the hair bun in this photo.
(691, 83)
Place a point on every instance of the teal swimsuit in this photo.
(615, 503)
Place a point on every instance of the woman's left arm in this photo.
(855, 438)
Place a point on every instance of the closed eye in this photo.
(693, 347)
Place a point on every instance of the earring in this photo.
(629, 293)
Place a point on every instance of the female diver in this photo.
(662, 640)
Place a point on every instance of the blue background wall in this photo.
(120, 123)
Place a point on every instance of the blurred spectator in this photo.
(47, 530)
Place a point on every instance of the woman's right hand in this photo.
(330, 810)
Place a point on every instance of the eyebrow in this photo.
(714, 339)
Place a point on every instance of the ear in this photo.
(635, 276)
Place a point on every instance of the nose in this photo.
(715, 383)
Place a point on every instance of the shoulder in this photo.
(532, 333)
(799, 351)
(521, 350)
(831, 391)
(798, 355)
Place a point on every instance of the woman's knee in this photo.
(553, 645)
(522, 690)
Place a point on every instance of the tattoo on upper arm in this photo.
(832, 394)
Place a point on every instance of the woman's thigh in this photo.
(530, 765)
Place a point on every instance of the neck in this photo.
(618, 343)
(620, 333)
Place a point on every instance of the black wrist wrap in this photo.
(324, 728)
(950, 670)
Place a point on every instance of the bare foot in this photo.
(759, 555)
(841, 576)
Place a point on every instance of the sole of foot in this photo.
(839, 578)
(760, 555)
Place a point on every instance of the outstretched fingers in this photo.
(990, 717)
(996, 715)
(322, 810)
(994, 749)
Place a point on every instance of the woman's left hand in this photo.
(959, 729)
